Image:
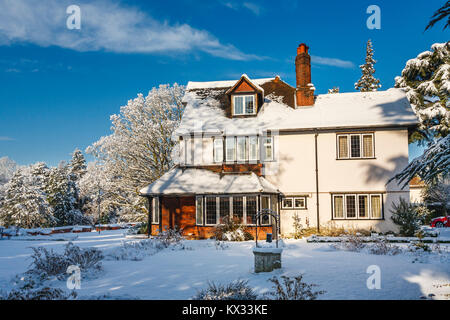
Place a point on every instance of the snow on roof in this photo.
(339, 110)
(203, 181)
(223, 84)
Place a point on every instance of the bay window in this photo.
(199, 210)
(241, 149)
(230, 146)
(211, 210)
(251, 209)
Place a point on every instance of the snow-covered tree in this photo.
(333, 90)
(426, 80)
(62, 195)
(25, 204)
(431, 166)
(77, 164)
(7, 169)
(139, 149)
(442, 13)
(368, 82)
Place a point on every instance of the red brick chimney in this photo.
(304, 91)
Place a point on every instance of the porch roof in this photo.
(201, 181)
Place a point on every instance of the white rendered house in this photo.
(250, 144)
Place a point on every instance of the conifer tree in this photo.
(78, 164)
(368, 82)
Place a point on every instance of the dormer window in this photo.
(244, 105)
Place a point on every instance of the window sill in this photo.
(371, 158)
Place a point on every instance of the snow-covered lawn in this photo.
(178, 274)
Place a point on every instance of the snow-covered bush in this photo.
(350, 243)
(292, 288)
(236, 290)
(169, 237)
(231, 229)
(406, 216)
(383, 247)
(135, 250)
(47, 263)
(45, 293)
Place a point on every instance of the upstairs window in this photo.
(244, 105)
(268, 148)
(218, 150)
(355, 146)
(241, 149)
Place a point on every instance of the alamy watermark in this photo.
(74, 19)
(374, 280)
(74, 280)
(374, 20)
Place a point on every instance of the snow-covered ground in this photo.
(178, 274)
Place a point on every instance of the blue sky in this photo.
(58, 87)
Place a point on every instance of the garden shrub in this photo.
(292, 289)
(236, 290)
(231, 229)
(407, 217)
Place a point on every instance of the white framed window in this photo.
(224, 207)
(199, 210)
(241, 152)
(355, 146)
(155, 210)
(238, 207)
(267, 148)
(363, 206)
(376, 206)
(253, 148)
(251, 208)
(230, 149)
(293, 203)
(300, 202)
(218, 150)
(188, 151)
(357, 206)
(287, 203)
(244, 105)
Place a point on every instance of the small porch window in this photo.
(155, 210)
(199, 210)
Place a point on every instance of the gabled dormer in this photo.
(245, 97)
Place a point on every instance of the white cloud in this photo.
(105, 25)
(332, 62)
(256, 9)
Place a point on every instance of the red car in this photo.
(440, 222)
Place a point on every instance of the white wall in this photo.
(294, 173)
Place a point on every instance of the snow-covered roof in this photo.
(224, 84)
(202, 181)
(204, 111)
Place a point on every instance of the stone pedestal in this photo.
(267, 259)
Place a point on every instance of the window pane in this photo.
(249, 104)
(241, 149)
(253, 148)
(375, 202)
(350, 203)
(238, 105)
(363, 206)
(355, 146)
(299, 202)
(368, 146)
(199, 211)
(338, 206)
(268, 152)
(265, 204)
(238, 207)
(251, 210)
(230, 148)
(288, 203)
(155, 210)
(343, 147)
(224, 208)
(218, 150)
(211, 212)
